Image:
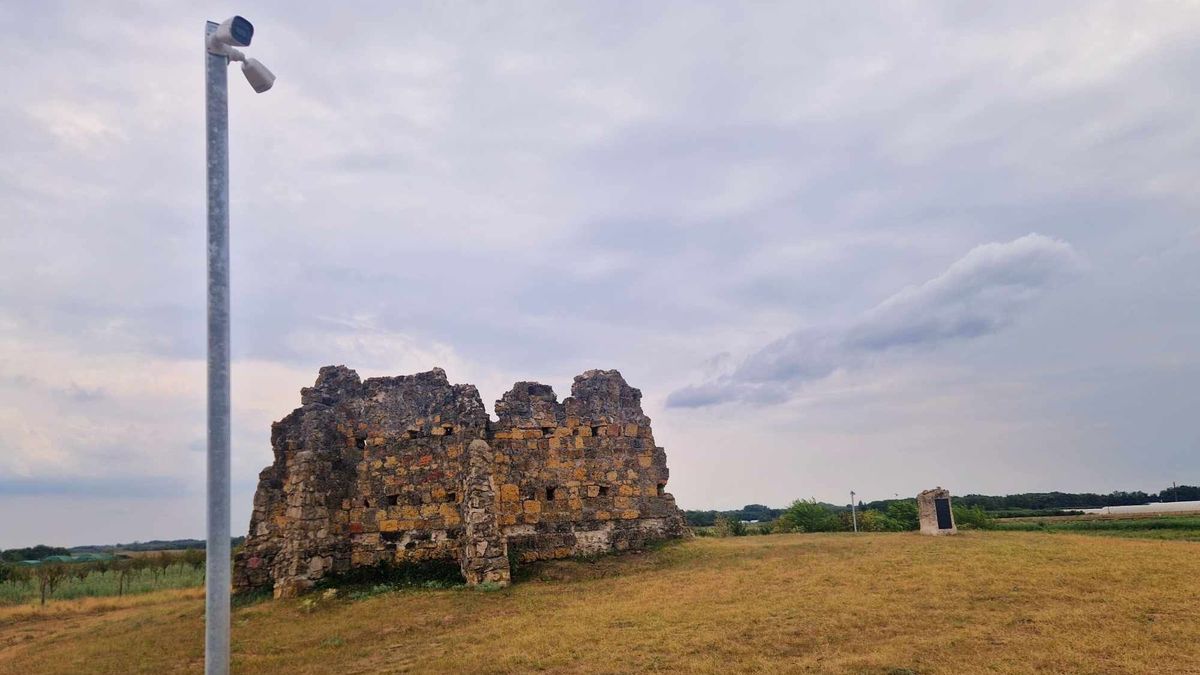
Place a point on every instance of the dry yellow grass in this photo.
(882, 603)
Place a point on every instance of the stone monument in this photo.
(936, 516)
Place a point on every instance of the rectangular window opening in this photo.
(662, 489)
(360, 443)
(547, 432)
(603, 490)
(451, 497)
(414, 433)
(448, 429)
(392, 500)
(596, 430)
(550, 493)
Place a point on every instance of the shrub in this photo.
(870, 520)
(904, 515)
(808, 516)
(729, 526)
(972, 517)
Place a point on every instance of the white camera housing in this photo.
(234, 31)
(259, 76)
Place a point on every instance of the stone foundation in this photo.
(394, 470)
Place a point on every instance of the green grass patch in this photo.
(103, 584)
(1185, 528)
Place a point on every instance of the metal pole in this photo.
(217, 576)
(853, 512)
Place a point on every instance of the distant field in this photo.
(883, 604)
(104, 584)
(1181, 527)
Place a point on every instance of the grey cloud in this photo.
(547, 188)
(138, 486)
(981, 293)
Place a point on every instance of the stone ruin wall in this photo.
(411, 469)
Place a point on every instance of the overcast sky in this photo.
(869, 246)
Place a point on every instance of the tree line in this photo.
(48, 576)
(809, 515)
(1024, 504)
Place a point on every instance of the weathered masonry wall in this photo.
(410, 468)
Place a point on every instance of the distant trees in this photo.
(807, 516)
(728, 526)
(904, 515)
(32, 553)
(89, 575)
(48, 576)
(194, 558)
(1182, 493)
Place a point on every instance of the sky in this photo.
(876, 247)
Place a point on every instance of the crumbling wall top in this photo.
(603, 395)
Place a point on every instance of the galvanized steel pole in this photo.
(853, 511)
(217, 576)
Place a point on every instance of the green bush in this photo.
(808, 516)
(871, 520)
(729, 526)
(903, 515)
(972, 517)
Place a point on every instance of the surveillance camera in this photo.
(235, 32)
(258, 75)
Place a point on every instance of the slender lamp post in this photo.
(853, 512)
(219, 42)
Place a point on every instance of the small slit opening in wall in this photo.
(366, 502)
(392, 500)
(662, 489)
(448, 430)
(360, 443)
(596, 430)
(550, 493)
(603, 490)
(547, 432)
(451, 497)
(414, 433)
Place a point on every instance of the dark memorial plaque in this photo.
(942, 506)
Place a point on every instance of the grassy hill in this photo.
(997, 602)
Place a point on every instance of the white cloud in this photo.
(981, 293)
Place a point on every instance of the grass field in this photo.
(1179, 527)
(104, 584)
(987, 602)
